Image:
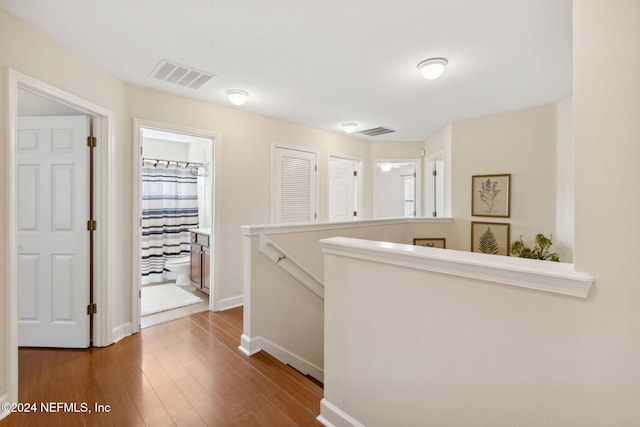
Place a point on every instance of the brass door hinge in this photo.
(355, 213)
(91, 141)
(92, 225)
(92, 309)
(355, 173)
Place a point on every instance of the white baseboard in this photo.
(228, 303)
(251, 346)
(3, 400)
(121, 332)
(332, 416)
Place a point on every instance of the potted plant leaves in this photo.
(539, 251)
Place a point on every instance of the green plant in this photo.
(539, 251)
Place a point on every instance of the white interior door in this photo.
(342, 189)
(294, 185)
(53, 241)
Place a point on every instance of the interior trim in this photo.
(266, 229)
(554, 277)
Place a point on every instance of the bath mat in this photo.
(165, 297)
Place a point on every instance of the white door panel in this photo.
(342, 189)
(294, 186)
(53, 241)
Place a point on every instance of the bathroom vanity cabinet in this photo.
(201, 261)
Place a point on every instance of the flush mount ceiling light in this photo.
(432, 68)
(385, 167)
(349, 127)
(237, 96)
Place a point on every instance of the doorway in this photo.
(19, 87)
(397, 188)
(175, 195)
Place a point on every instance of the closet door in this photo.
(294, 185)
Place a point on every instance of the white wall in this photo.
(388, 191)
(166, 150)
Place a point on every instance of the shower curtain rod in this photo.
(173, 161)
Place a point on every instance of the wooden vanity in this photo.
(201, 260)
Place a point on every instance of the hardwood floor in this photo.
(188, 372)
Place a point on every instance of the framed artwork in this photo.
(491, 195)
(430, 242)
(490, 237)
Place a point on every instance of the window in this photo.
(409, 192)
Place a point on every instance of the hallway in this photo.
(188, 372)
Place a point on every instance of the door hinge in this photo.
(315, 215)
(355, 173)
(92, 309)
(435, 173)
(92, 225)
(414, 175)
(315, 168)
(91, 141)
(355, 213)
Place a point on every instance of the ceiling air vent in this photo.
(376, 131)
(179, 74)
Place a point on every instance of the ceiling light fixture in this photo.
(349, 127)
(432, 68)
(237, 96)
(385, 167)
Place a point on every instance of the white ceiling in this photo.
(326, 62)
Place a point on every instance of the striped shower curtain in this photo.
(169, 211)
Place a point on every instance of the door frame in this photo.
(138, 125)
(103, 121)
(359, 180)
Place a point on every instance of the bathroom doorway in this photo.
(175, 212)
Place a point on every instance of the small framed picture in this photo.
(430, 242)
(490, 238)
(491, 195)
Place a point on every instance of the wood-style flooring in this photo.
(187, 372)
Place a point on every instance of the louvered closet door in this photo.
(295, 185)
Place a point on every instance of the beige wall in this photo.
(282, 310)
(32, 53)
(244, 150)
(522, 143)
(607, 150)
(486, 354)
(565, 181)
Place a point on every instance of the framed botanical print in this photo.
(491, 195)
(490, 238)
(430, 242)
